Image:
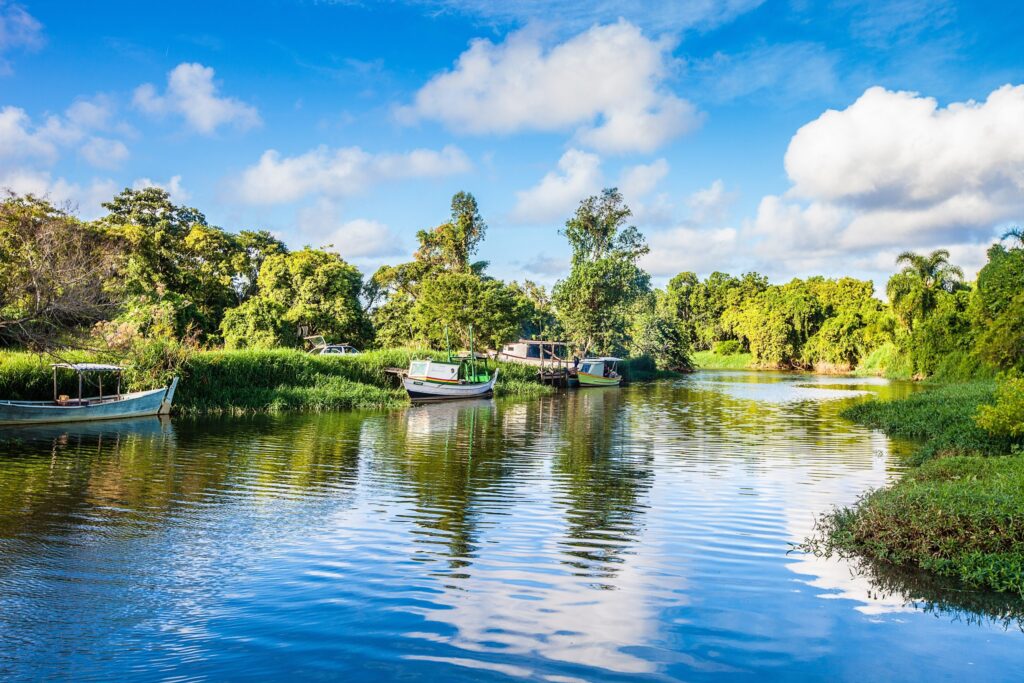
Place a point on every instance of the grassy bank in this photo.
(959, 514)
(266, 381)
(709, 360)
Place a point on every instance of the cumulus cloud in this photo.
(896, 171)
(640, 180)
(104, 152)
(26, 141)
(340, 172)
(711, 203)
(909, 172)
(173, 187)
(689, 248)
(358, 239)
(19, 30)
(558, 193)
(193, 94)
(608, 84)
(86, 199)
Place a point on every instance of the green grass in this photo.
(941, 418)
(960, 514)
(709, 360)
(254, 381)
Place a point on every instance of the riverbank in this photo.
(709, 360)
(958, 513)
(268, 381)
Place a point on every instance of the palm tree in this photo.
(1016, 233)
(914, 290)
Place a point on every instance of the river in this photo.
(642, 533)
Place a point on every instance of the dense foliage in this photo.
(151, 272)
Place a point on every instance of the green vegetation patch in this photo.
(943, 418)
(709, 360)
(959, 517)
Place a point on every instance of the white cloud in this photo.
(192, 93)
(607, 83)
(909, 170)
(341, 172)
(173, 187)
(711, 203)
(689, 248)
(104, 152)
(40, 143)
(639, 181)
(896, 171)
(358, 239)
(86, 200)
(558, 193)
(19, 30)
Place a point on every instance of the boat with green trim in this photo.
(599, 372)
(459, 377)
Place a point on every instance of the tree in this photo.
(53, 268)
(998, 307)
(254, 246)
(450, 245)
(453, 301)
(605, 279)
(655, 332)
(311, 288)
(914, 291)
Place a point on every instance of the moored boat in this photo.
(459, 377)
(82, 409)
(599, 372)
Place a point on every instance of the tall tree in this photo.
(914, 291)
(606, 278)
(450, 245)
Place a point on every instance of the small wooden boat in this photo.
(459, 377)
(102, 407)
(599, 372)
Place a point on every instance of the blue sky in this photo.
(788, 136)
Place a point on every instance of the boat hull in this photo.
(139, 404)
(426, 390)
(587, 380)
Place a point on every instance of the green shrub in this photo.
(959, 517)
(728, 347)
(1004, 418)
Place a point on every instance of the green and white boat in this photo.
(459, 377)
(599, 372)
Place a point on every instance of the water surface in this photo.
(598, 535)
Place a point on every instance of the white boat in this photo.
(432, 380)
(82, 409)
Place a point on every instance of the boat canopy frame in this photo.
(87, 368)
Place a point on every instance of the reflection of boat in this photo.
(599, 372)
(110, 407)
(149, 427)
(460, 377)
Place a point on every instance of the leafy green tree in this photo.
(456, 300)
(254, 246)
(655, 332)
(998, 307)
(605, 280)
(915, 290)
(311, 288)
(539, 320)
(450, 245)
